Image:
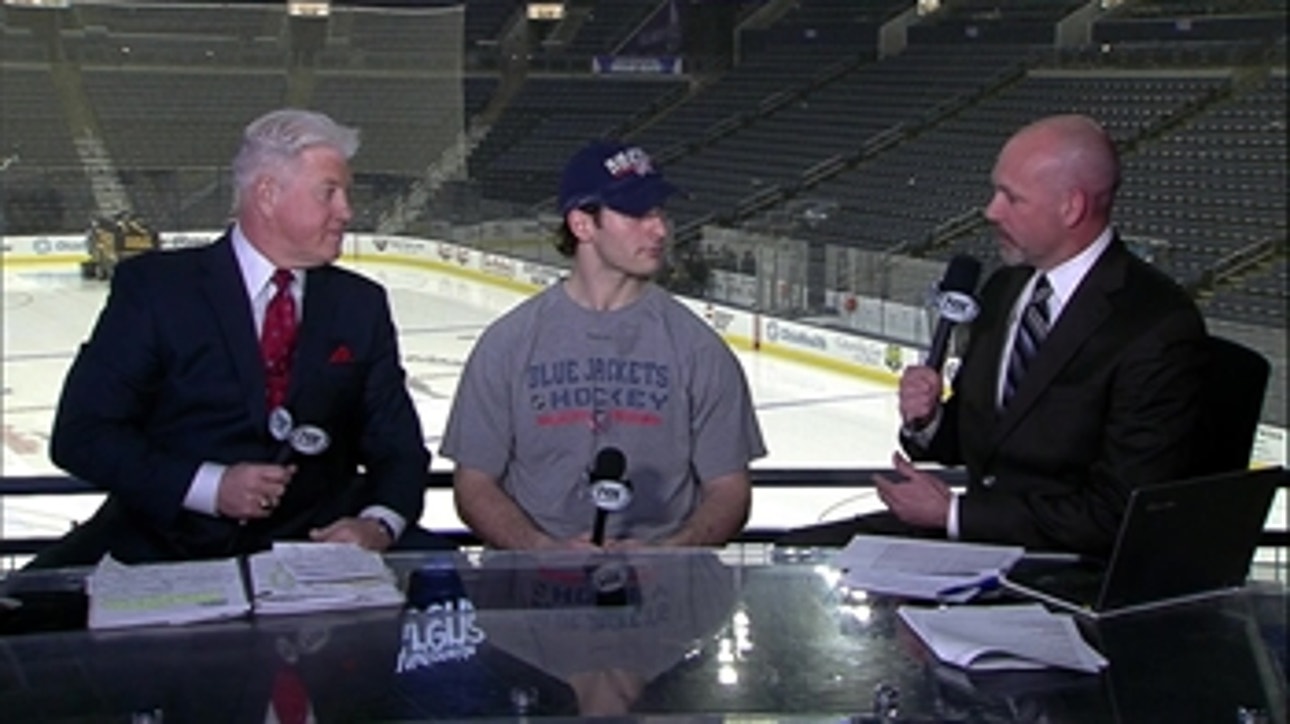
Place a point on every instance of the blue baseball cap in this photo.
(616, 175)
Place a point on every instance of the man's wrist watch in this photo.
(385, 528)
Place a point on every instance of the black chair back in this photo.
(1235, 383)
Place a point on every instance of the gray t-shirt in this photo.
(551, 383)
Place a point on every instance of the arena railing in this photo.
(857, 478)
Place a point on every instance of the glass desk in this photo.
(658, 634)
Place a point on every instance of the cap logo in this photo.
(629, 161)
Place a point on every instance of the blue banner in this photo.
(659, 65)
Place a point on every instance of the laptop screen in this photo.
(1189, 537)
(1178, 540)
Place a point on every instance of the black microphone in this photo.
(303, 438)
(294, 438)
(281, 423)
(954, 303)
(609, 490)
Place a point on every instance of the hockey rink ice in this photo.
(811, 418)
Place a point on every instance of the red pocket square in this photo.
(341, 355)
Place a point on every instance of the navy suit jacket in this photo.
(171, 377)
(1111, 402)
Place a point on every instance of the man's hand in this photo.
(497, 519)
(917, 497)
(365, 532)
(920, 395)
(250, 491)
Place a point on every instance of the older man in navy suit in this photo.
(207, 363)
(1081, 381)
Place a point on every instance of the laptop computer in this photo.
(1178, 541)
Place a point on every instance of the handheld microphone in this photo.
(304, 439)
(609, 490)
(954, 303)
(280, 425)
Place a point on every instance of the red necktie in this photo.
(278, 339)
(289, 701)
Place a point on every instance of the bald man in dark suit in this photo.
(1109, 400)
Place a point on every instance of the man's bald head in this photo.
(1055, 182)
(1081, 156)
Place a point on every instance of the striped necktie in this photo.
(1030, 334)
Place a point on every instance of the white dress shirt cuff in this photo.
(952, 520)
(203, 493)
(392, 522)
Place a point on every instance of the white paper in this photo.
(1024, 636)
(329, 562)
(928, 557)
(950, 589)
(924, 569)
(164, 593)
(300, 577)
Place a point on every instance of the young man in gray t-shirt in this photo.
(604, 359)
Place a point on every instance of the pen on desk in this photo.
(1053, 557)
(978, 586)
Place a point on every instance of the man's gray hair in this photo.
(278, 137)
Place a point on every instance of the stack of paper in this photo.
(299, 577)
(164, 593)
(923, 569)
(1024, 636)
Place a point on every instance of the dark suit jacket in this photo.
(171, 377)
(1110, 403)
